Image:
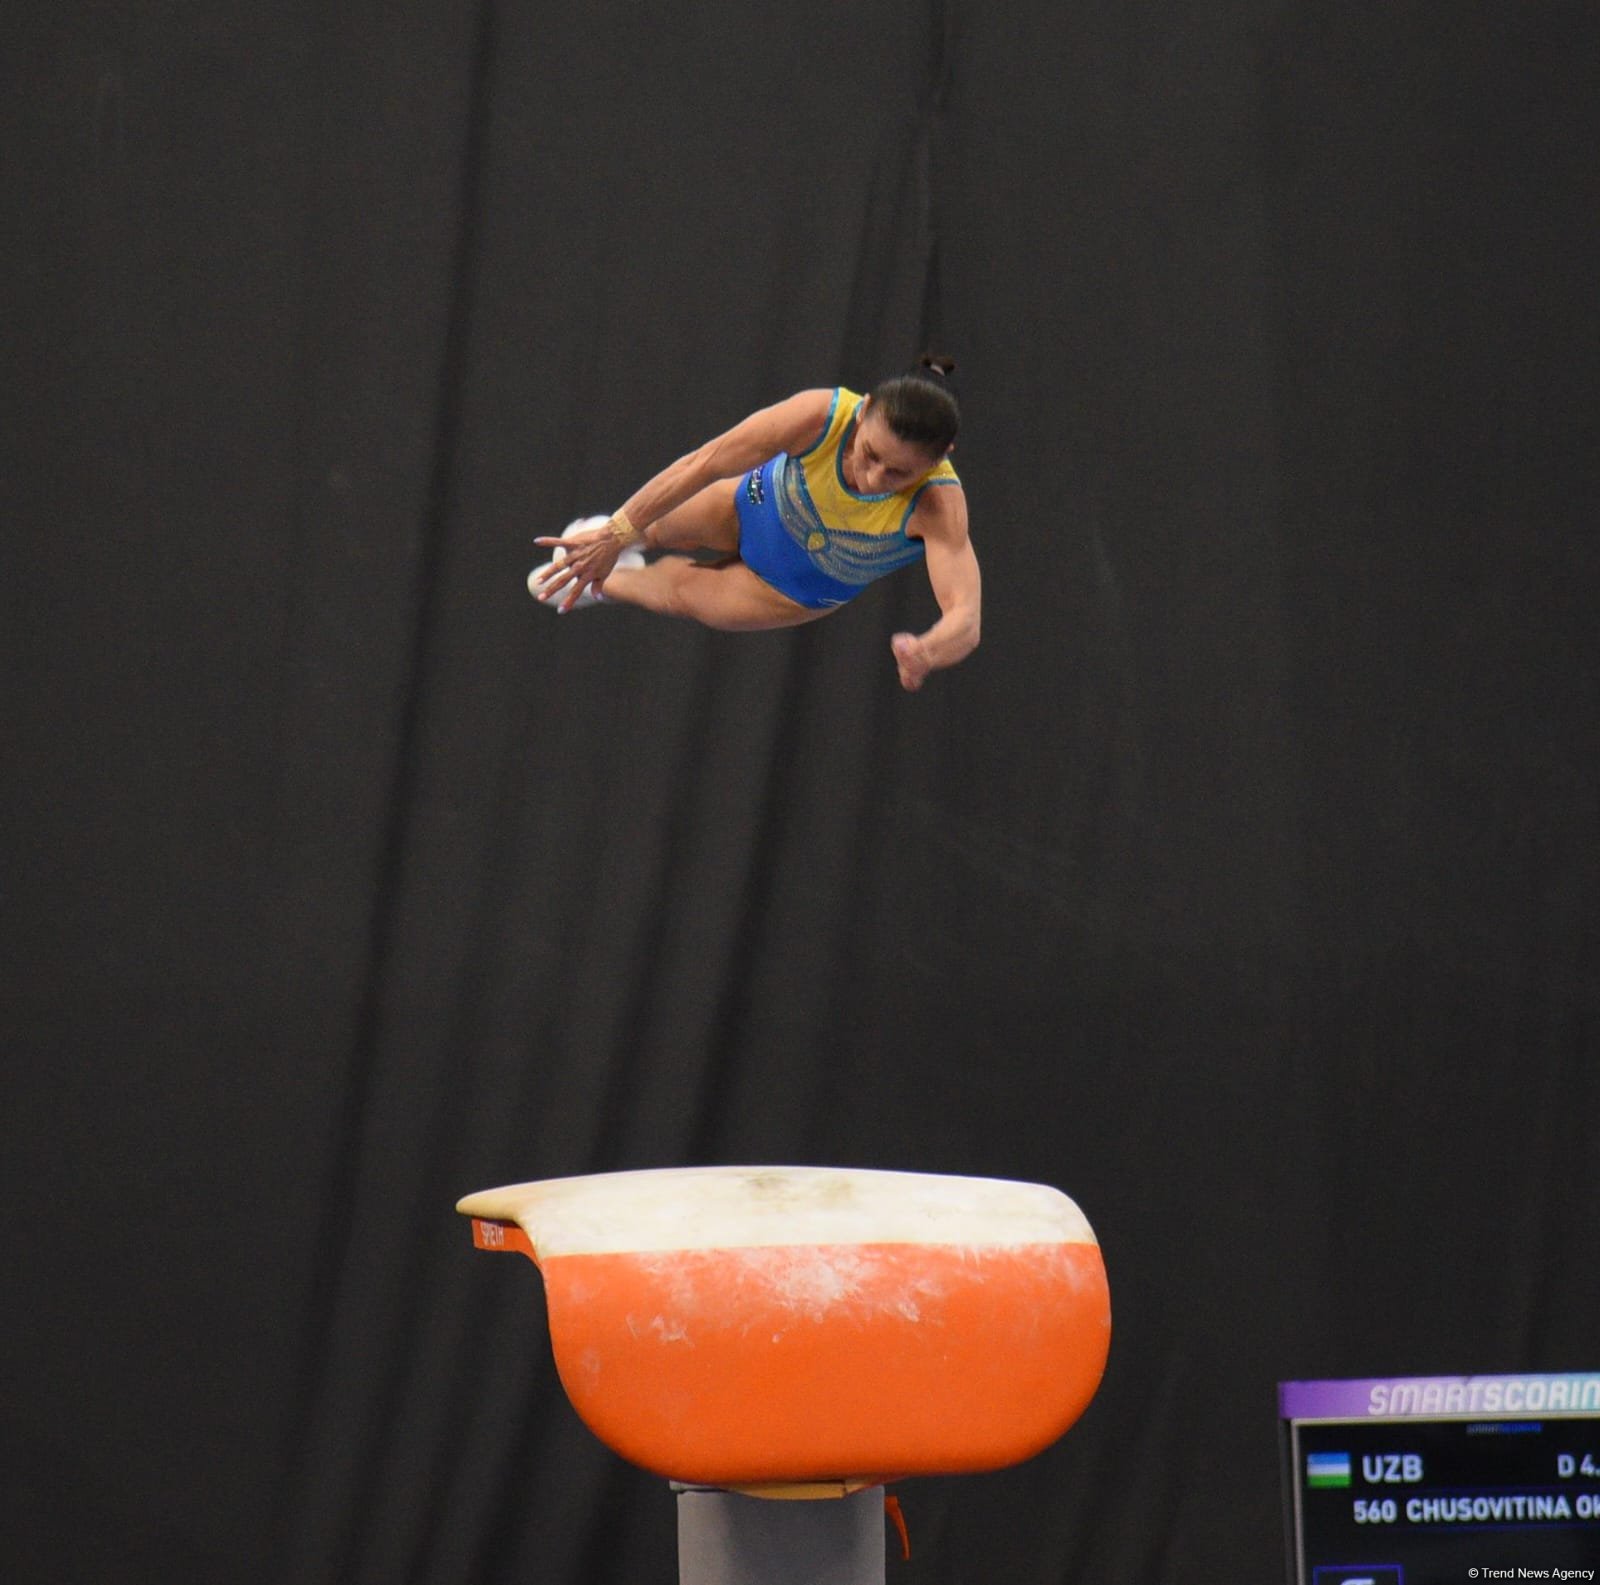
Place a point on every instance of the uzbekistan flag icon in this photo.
(1327, 1469)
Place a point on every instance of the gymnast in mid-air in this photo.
(803, 504)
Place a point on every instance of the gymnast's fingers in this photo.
(555, 580)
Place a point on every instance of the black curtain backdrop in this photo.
(1243, 884)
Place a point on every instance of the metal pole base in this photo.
(728, 1539)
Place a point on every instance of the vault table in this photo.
(808, 1332)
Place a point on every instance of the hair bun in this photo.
(937, 363)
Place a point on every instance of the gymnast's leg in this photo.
(727, 596)
(706, 521)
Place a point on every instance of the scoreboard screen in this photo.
(1442, 1480)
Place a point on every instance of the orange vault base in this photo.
(763, 1327)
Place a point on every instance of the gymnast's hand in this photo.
(584, 560)
(911, 656)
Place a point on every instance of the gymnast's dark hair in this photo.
(920, 407)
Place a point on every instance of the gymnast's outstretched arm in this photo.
(941, 520)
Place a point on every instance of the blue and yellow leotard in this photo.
(807, 533)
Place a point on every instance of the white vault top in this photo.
(747, 1207)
